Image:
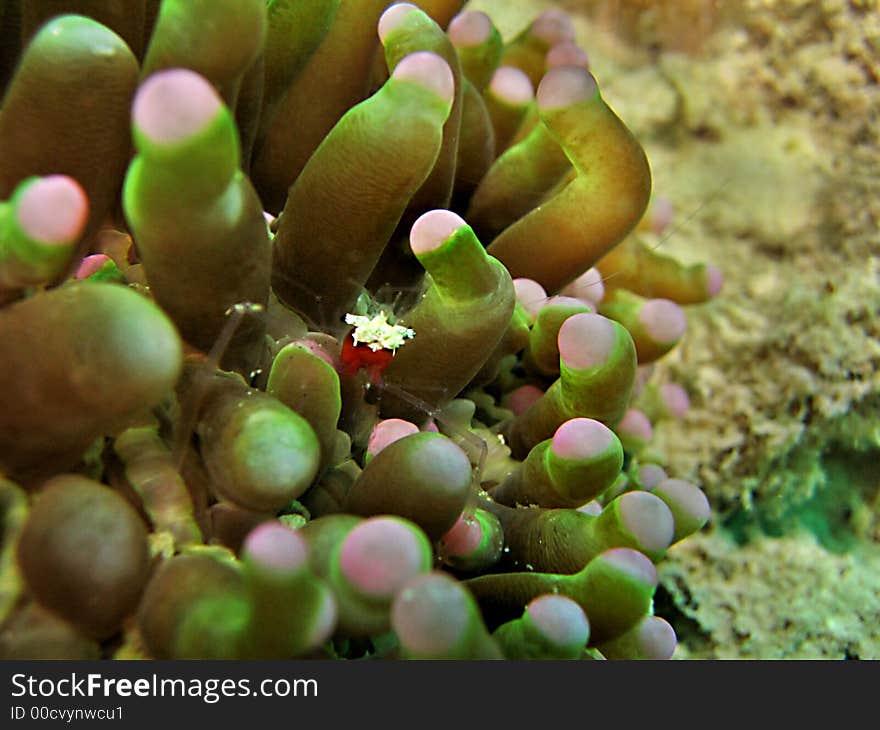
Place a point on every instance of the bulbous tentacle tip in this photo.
(636, 426)
(675, 399)
(650, 475)
(276, 547)
(72, 29)
(381, 554)
(463, 537)
(553, 26)
(631, 562)
(664, 320)
(420, 604)
(386, 432)
(429, 70)
(91, 264)
(581, 438)
(393, 18)
(662, 214)
(589, 287)
(530, 294)
(565, 85)
(522, 398)
(432, 614)
(653, 638)
(53, 210)
(470, 28)
(714, 280)
(431, 229)
(512, 86)
(688, 503)
(648, 519)
(657, 637)
(560, 619)
(586, 340)
(567, 53)
(174, 104)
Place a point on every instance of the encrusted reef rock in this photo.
(762, 128)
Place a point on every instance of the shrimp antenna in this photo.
(475, 442)
(680, 225)
(190, 409)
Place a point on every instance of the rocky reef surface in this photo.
(762, 129)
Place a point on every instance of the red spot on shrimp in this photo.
(356, 357)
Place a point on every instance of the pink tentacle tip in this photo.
(175, 104)
(432, 229)
(530, 294)
(469, 29)
(464, 536)
(429, 70)
(688, 496)
(567, 53)
(631, 562)
(430, 614)
(648, 518)
(650, 475)
(657, 638)
(676, 399)
(318, 350)
(560, 618)
(586, 341)
(564, 86)
(393, 18)
(714, 280)
(636, 424)
(380, 555)
(664, 320)
(387, 431)
(511, 85)
(90, 264)
(661, 215)
(275, 546)
(553, 26)
(522, 398)
(53, 210)
(581, 438)
(588, 286)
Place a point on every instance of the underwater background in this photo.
(762, 124)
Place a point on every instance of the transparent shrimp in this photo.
(388, 302)
(385, 305)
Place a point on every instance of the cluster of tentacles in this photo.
(214, 443)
